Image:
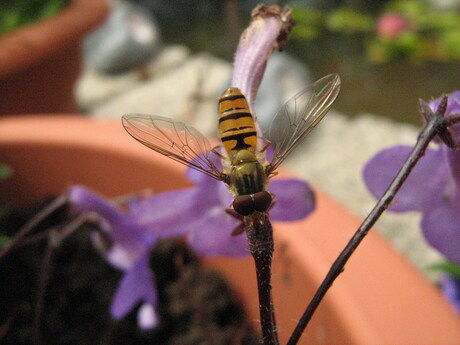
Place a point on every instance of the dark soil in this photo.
(196, 306)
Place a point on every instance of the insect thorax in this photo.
(247, 175)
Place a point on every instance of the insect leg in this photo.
(273, 201)
(269, 171)
(239, 229)
(267, 144)
(217, 153)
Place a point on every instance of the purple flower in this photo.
(198, 214)
(268, 30)
(450, 286)
(125, 244)
(433, 188)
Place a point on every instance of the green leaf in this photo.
(449, 44)
(448, 267)
(309, 22)
(349, 21)
(409, 45)
(16, 13)
(413, 9)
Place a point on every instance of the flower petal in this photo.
(212, 235)
(119, 227)
(294, 199)
(84, 200)
(441, 229)
(255, 45)
(166, 212)
(137, 285)
(453, 103)
(453, 159)
(170, 214)
(451, 290)
(114, 253)
(423, 189)
(147, 317)
(453, 107)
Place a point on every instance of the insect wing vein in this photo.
(173, 139)
(299, 115)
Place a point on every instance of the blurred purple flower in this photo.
(199, 214)
(433, 188)
(450, 286)
(269, 29)
(125, 244)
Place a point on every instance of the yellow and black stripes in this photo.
(236, 124)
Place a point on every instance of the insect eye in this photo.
(243, 204)
(262, 201)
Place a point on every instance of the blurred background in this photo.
(399, 50)
(173, 58)
(100, 59)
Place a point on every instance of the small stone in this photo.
(128, 39)
(95, 88)
(186, 93)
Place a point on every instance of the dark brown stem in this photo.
(452, 119)
(46, 271)
(26, 229)
(433, 126)
(55, 238)
(260, 238)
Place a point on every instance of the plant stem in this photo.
(26, 229)
(260, 238)
(433, 126)
(55, 239)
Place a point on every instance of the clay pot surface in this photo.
(40, 62)
(379, 299)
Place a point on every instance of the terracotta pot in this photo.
(40, 62)
(379, 299)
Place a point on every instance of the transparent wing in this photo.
(299, 115)
(173, 139)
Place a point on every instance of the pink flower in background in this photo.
(391, 25)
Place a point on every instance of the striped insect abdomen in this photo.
(236, 124)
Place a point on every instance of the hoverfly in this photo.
(246, 170)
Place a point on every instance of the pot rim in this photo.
(381, 296)
(32, 43)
